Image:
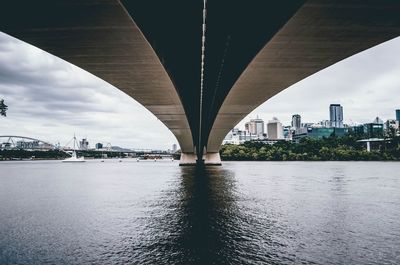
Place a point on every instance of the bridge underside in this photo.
(152, 51)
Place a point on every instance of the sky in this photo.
(52, 100)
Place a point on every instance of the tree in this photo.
(3, 108)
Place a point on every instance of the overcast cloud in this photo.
(51, 99)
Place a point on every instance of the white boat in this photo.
(74, 158)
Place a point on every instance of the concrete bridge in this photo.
(201, 67)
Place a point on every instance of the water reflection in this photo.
(338, 178)
(199, 217)
(203, 219)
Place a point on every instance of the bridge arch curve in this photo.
(273, 45)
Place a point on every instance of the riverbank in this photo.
(326, 149)
(53, 155)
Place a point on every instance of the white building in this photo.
(274, 129)
(236, 136)
(336, 115)
(255, 127)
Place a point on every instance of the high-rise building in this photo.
(336, 115)
(84, 144)
(174, 148)
(274, 129)
(255, 127)
(398, 115)
(296, 121)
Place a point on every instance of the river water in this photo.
(160, 213)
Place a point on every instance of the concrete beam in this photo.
(212, 159)
(101, 38)
(320, 34)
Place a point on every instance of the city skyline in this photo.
(298, 118)
(51, 100)
(276, 131)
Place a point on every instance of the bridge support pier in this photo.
(209, 159)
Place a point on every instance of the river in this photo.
(159, 213)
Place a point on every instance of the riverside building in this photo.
(296, 121)
(336, 115)
(274, 129)
(255, 127)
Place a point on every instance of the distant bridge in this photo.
(202, 66)
(16, 141)
(24, 142)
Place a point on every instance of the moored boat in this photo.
(74, 158)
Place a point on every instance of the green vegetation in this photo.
(327, 149)
(23, 154)
(52, 154)
(3, 108)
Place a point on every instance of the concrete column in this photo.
(212, 159)
(368, 146)
(190, 159)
